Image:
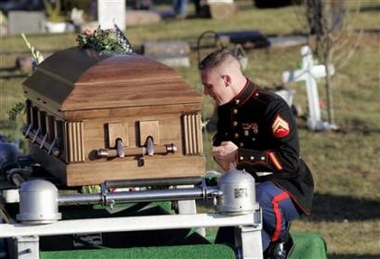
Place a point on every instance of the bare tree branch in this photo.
(329, 23)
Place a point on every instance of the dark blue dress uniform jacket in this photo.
(262, 125)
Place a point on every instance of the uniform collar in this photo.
(245, 93)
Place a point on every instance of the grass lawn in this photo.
(345, 163)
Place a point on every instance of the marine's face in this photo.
(215, 86)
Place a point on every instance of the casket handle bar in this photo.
(201, 192)
(174, 181)
(149, 149)
(41, 141)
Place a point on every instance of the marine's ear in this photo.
(227, 80)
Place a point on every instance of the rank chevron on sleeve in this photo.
(280, 127)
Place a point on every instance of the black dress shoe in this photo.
(280, 249)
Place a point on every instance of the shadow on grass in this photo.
(8, 77)
(327, 207)
(353, 256)
(355, 126)
(8, 69)
(373, 8)
(7, 73)
(337, 208)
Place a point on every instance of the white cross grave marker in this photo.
(310, 73)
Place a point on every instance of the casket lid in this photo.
(81, 79)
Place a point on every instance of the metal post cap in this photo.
(239, 194)
(38, 202)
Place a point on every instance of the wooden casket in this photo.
(93, 118)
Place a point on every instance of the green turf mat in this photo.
(180, 243)
(168, 252)
(308, 245)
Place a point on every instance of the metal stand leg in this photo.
(27, 247)
(248, 239)
(190, 207)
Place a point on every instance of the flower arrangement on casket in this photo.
(105, 42)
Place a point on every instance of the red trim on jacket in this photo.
(275, 161)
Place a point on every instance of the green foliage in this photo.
(91, 189)
(15, 111)
(53, 11)
(103, 41)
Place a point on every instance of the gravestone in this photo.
(218, 9)
(287, 41)
(173, 53)
(111, 12)
(310, 73)
(247, 38)
(142, 17)
(26, 21)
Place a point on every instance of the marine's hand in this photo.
(226, 152)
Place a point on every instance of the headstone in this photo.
(174, 61)
(172, 53)
(310, 73)
(222, 11)
(287, 41)
(218, 9)
(26, 21)
(247, 38)
(142, 17)
(111, 12)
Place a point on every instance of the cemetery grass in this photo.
(345, 163)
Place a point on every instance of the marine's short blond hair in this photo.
(217, 58)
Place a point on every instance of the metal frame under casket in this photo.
(39, 217)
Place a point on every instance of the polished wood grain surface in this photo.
(76, 79)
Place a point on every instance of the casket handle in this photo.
(120, 148)
(140, 151)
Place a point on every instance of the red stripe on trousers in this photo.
(276, 209)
